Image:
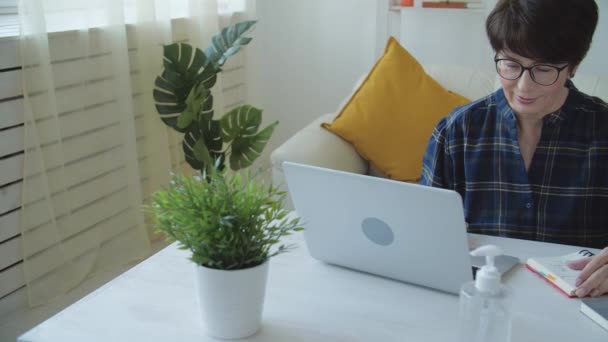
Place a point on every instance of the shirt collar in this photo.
(502, 105)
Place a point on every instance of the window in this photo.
(9, 21)
(8, 7)
(69, 17)
(231, 6)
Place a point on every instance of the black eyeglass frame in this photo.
(523, 68)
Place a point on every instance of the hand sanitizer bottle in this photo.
(484, 314)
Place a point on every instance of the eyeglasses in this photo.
(542, 74)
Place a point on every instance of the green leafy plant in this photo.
(228, 222)
(184, 100)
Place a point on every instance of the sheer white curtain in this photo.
(94, 145)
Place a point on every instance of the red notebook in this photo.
(555, 271)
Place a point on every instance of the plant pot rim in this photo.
(233, 270)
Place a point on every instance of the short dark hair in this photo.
(551, 31)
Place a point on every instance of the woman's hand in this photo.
(593, 280)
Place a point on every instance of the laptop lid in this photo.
(403, 231)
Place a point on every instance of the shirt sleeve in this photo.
(437, 165)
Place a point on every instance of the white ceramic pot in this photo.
(231, 301)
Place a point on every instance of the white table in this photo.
(307, 300)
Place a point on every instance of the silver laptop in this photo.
(403, 231)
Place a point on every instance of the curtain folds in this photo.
(95, 147)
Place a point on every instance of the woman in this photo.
(531, 160)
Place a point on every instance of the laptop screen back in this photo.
(398, 230)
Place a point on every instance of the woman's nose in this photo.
(526, 81)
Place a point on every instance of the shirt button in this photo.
(529, 205)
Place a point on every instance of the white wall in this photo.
(347, 40)
(597, 57)
(305, 57)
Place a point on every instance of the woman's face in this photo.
(528, 98)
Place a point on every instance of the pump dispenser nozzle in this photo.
(488, 277)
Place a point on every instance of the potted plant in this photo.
(183, 98)
(232, 225)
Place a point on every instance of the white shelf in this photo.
(441, 10)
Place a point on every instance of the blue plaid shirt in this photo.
(563, 198)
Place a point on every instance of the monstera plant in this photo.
(184, 100)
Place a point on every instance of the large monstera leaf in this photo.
(182, 71)
(240, 126)
(228, 42)
(203, 143)
(183, 98)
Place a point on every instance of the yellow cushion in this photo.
(390, 118)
